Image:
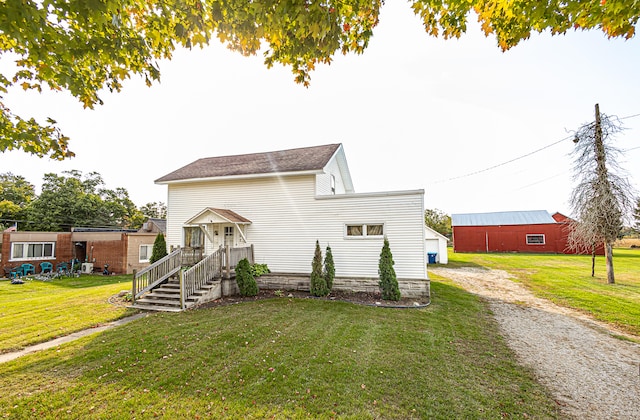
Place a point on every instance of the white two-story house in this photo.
(282, 202)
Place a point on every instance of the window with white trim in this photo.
(145, 252)
(374, 230)
(33, 250)
(333, 184)
(537, 239)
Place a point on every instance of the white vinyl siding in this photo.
(287, 219)
(273, 205)
(331, 182)
(403, 216)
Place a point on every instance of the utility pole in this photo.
(605, 190)
(601, 198)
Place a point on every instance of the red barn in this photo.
(511, 231)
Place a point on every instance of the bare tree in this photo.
(636, 217)
(602, 198)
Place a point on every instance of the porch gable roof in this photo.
(213, 215)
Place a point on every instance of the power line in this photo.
(541, 181)
(504, 163)
(523, 156)
(629, 116)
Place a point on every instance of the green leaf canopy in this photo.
(86, 46)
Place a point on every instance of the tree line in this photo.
(70, 199)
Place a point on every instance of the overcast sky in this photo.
(413, 112)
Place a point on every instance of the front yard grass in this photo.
(285, 358)
(38, 311)
(566, 280)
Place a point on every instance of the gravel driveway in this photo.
(591, 374)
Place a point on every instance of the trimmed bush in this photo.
(159, 249)
(329, 268)
(246, 282)
(318, 285)
(388, 281)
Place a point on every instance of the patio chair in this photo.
(16, 272)
(46, 267)
(28, 269)
(61, 268)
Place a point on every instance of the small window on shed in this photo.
(535, 239)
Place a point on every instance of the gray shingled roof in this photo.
(292, 160)
(530, 217)
(161, 223)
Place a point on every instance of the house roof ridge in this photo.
(300, 159)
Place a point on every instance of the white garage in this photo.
(436, 243)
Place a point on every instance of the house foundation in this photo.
(409, 288)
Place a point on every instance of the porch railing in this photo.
(191, 280)
(149, 277)
(191, 256)
(197, 276)
(236, 254)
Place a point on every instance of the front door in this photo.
(228, 236)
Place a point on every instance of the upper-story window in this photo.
(537, 239)
(333, 184)
(32, 250)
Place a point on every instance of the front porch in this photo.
(186, 278)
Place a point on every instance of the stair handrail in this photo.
(149, 277)
(198, 275)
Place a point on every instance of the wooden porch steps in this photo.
(166, 297)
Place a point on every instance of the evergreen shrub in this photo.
(388, 282)
(329, 268)
(318, 285)
(159, 248)
(246, 282)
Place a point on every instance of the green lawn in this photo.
(284, 358)
(566, 280)
(38, 311)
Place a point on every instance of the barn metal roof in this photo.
(529, 217)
